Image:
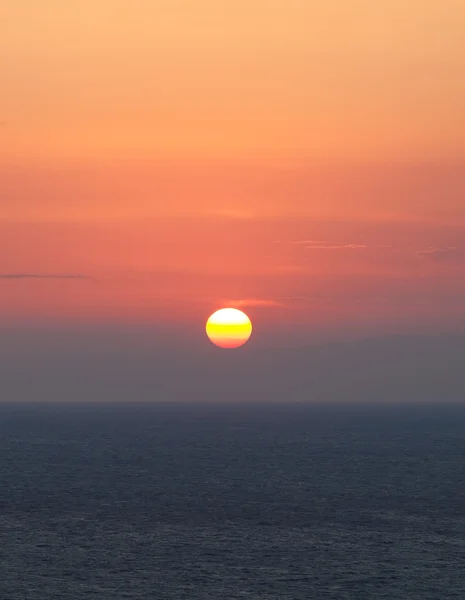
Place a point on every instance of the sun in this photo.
(229, 328)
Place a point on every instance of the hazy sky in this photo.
(347, 79)
(304, 161)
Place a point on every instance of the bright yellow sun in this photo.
(229, 328)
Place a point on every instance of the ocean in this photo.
(248, 501)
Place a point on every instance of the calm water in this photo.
(200, 502)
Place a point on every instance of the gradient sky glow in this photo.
(160, 160)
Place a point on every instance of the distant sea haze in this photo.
(63, 363)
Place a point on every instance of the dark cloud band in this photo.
(41, 276)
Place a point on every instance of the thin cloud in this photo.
(336, 247)
(42, 276)
(253, 302)
(310, 242)
(325, 245)
(447, 254)
(289, 269)
(298, 298)
(240, 215)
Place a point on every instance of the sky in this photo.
(301, 161)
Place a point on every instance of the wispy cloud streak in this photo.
(310, 242)
(253, 302)
(321, 245)
(240, 215)
(447, 254)
(42, 276)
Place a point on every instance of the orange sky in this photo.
(305, 160)
(341, 78)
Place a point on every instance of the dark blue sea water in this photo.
(230, 502)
